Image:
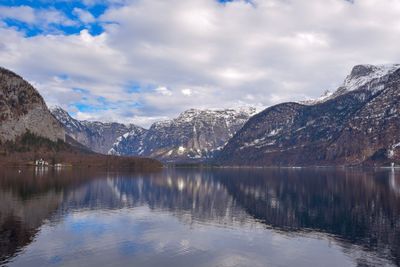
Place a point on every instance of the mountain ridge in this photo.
(355, 124)
(23, 109)
(194, 135)
(323, 133)
(98, 136)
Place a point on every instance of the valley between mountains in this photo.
(356, 124)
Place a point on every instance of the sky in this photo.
(141, 61)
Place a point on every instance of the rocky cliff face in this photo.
(130, 144)
(195, 135)
(97, 136)
(22, 109)
(358, 123)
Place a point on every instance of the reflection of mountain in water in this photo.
(26, 200)
(191, 195)
(19, 220)
(359, 207)
(355, 207)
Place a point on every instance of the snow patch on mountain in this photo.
(62, 116)
(95, 135)
(368, 77)
(195, 134)
(130, 143)
(364, 74)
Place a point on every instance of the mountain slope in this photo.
(97, 136)
(195, 135)
(28, 131)
(373, 133)
(355, 124)
(130, 143)
(22, 109)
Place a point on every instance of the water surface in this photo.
(189, 217)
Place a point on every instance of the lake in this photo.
(194, 217)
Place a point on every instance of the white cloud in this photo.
(162, 90)
(84, 16)
(37, 17)
(106, 2)
(228, 55)
(187, 92)
(22, 13)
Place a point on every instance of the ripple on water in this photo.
(201, 218)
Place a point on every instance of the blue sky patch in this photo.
(66, 8)
(80, 90)
(63, 77)
(133, 88)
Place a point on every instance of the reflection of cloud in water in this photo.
(209, 218)
(150, 238)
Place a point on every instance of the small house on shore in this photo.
(41, 163)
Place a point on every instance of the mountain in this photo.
(23, 110)
(356, 124)
(130, 143)
(29, 131)
(97, 136)
(195, 135)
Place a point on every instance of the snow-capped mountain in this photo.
(366, 77)
(358, 123)
(71, 125)
(130, 143)
(97, 136)
(194, 135)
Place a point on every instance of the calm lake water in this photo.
(188, 217)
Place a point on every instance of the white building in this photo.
(41, 163)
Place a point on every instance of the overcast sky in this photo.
(146, 60)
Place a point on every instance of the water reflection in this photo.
(277, 217)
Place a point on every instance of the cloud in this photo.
(162, 90)
(36, 17)
(22, 13)
(187, 92)
(229, 54)
(84, 16)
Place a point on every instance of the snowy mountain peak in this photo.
(368, 69)
(70, 124)
(247, 110)
(95, 135)
(325, 96)
(56, 108)
(357, 124)
(366, 76)
(59, 112)
(195, 135)
(191, 114)
(363, 74)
